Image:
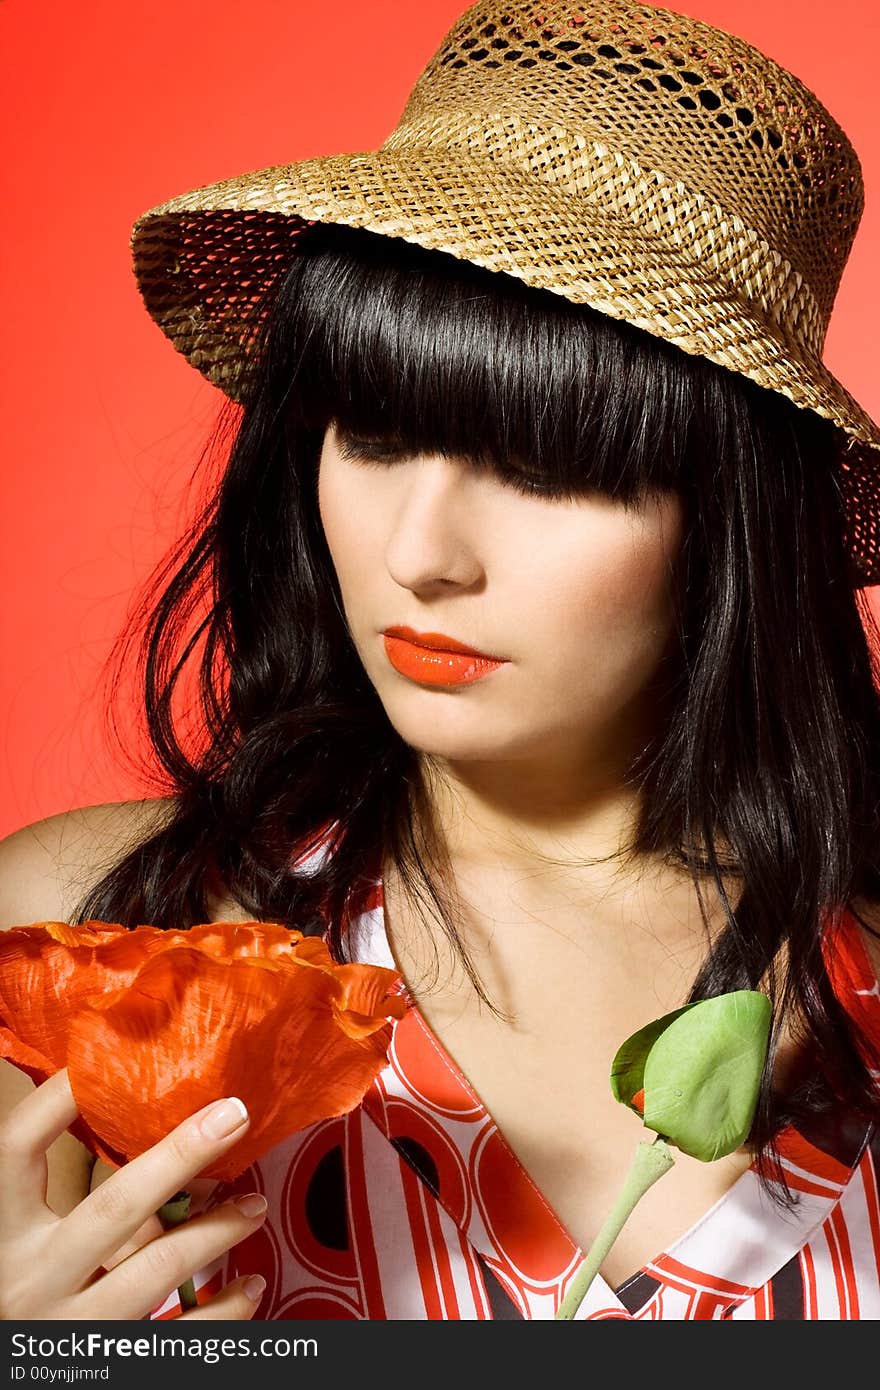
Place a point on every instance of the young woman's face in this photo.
(570, 596)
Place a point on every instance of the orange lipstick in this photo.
(432, 658)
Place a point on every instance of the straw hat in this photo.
(623, 156)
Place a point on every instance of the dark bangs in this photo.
(429, 353)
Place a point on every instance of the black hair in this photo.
(766, 764)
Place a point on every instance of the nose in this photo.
(432, 543)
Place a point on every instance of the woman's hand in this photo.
(199, 1190)
(99, 1261)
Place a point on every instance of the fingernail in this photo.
(251, 1205)
(223, 1118)
(254, 1286)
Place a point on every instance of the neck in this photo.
(554, 818)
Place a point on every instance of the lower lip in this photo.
(430, 667)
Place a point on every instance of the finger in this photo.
(109, 1216)
(150, 1229)
(25, 1135)
(143, 1281)
(199, 1189)
(233, 1301)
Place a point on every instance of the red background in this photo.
(109, 110)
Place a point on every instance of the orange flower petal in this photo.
(154, 1024)
(43, 980)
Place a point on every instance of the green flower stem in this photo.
(173, 1213)
(650, 1163)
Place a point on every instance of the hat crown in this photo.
(592, 98)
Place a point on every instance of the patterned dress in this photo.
(413, 1206)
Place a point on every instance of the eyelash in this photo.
(370, 451)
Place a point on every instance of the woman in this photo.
(536, 573)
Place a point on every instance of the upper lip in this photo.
(437, 641)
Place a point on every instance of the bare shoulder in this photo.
(47, 866)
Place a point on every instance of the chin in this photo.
(458, 734)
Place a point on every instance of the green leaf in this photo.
(628, 1067)
(703, 1073)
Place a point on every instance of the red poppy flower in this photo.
(153, 1024)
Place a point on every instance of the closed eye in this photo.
(383, 451)
(371, 450)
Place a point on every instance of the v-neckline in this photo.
(730, 1274)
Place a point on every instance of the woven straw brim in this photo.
(202, 260)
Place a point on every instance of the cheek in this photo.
(629, 584)
(346, 510)
(608, 582)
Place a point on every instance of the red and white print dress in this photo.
(413, 1206)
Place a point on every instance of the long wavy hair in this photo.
(766, 760)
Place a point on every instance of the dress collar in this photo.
(426, 1107)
